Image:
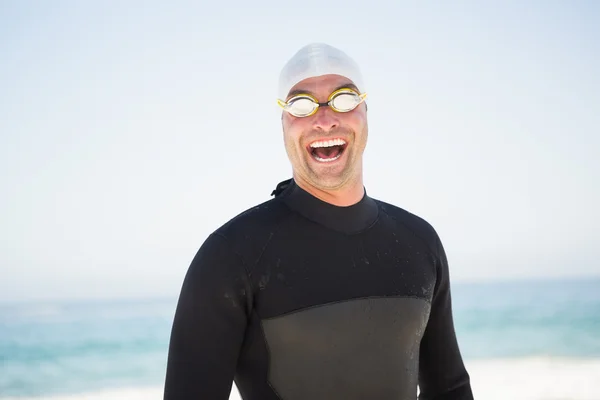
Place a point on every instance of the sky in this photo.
(129, 131)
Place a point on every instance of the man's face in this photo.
(329, 167)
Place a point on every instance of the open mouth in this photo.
(327, 150)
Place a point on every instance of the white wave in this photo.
(29, 312)
(150, 393)
(119, 394)
(537, 378)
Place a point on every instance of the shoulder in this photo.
(255, 219)
(250, 231)
(414, 223)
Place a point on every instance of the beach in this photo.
(516, 379)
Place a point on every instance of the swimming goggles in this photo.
(305, 105)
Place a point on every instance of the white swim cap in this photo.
(318, 59)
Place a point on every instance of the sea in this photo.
(525, 340)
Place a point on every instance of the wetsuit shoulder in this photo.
(257, 220)
(414, 223)
(250, 231)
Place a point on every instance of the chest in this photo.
(298, 271)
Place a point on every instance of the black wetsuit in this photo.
(298, 299)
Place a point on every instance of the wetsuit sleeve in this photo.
(209, 325)
(442, 374)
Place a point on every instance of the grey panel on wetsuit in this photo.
(356, 349)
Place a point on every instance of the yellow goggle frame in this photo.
(289, 104)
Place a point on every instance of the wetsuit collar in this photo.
(350, 219)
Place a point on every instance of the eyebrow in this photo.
(301, 91)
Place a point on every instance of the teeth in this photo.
(327, 159)
(328, 143)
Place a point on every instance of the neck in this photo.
(351, 193)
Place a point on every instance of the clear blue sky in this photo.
(130, 130)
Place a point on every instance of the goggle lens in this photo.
(345, 102)
(302, 106)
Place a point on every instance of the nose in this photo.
(325, 119)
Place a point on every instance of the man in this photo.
(321, 292)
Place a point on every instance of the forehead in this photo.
(321, 85)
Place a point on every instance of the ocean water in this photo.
(520, 340)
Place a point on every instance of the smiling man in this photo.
(321, 292)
